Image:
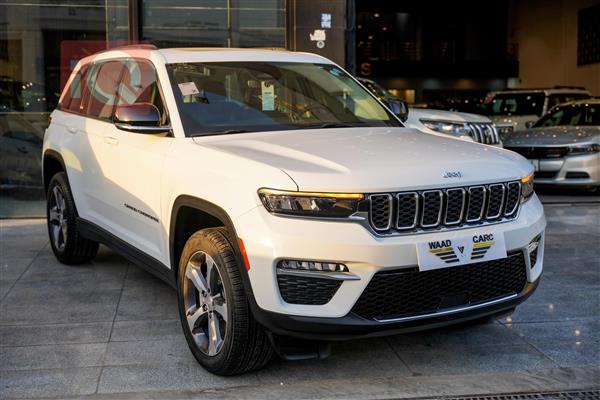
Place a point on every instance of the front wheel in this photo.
(218, 325)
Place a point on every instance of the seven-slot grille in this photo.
(485, 133)
(428, 209)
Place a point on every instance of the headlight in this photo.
(310, 204)
(586, 149)
(451, 128)
(526, 188)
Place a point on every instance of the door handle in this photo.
(22, 150)
(72, 129)
(111, 140)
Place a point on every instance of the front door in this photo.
(133, 164)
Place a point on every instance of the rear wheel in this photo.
(218, 325)
(68, 245)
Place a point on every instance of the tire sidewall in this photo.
(202, 242)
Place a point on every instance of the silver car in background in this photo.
(563, 145)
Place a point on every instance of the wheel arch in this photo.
(52, 163)
(190, 214)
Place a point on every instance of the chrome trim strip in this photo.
(487, 214)
(439, 218)
(518, 202)
(482, 204)
(331, 275)
(416, 218)
(391, 205)
(462, 207)
(448, 312)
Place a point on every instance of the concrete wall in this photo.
(545, 32)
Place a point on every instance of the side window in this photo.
(554, 100)
(140, 85)
(73, 93)
(103, 93)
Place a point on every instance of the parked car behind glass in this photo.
(470, 127)
(564, 145)
(513, 109)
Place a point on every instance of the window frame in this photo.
(158, 83)
(94, 67)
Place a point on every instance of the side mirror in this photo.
(139, 118)
(529, 124)
(398, 107)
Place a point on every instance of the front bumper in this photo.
(269, 238)
(580, 170)
(352, 326)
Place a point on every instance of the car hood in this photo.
(370, 159)
(554, 136)
(416, 114)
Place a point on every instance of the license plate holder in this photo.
(460, 250)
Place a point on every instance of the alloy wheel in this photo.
(205, 303)
(57, 218)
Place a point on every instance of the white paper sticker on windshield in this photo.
(267, 96)
(188, 88)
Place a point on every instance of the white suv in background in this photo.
(285, 204)
(465, 126)
(519, 108)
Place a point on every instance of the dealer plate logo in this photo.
(461, 250)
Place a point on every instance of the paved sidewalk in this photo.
(110, 330)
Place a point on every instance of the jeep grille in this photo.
(436, 208)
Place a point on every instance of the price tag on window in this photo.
(188, 88)
(267, 96)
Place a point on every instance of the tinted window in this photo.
(516, 104)
(73, 93)
(574, 115)
(140, 85)
(103, 94)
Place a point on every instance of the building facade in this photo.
(423, 51)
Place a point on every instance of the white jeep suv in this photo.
(285, 204)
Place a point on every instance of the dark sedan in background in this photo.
(563, 145)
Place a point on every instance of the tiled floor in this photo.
(109, 328)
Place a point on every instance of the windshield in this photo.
(577, 114)
(527, 103)
(233, 97)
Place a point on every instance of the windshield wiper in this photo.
(223, 132)
(333, 125)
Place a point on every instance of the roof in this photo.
(546, 91)
(591, 100)
(208, 54)
(201, 54)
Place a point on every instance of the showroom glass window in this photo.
(210, 23)
(40, 44)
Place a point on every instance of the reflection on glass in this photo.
(40, 43)
(214, 23)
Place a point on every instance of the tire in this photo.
(222, 307)
(68, 245)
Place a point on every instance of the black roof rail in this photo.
(569, 87)
(546, 88)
